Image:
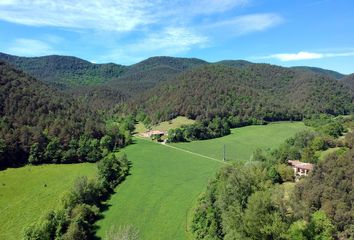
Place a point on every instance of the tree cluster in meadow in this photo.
(208, 129)
(251, 201)
(42, 125)
(328, 125)
(80, 207)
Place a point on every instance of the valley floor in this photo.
(159, 195)
(163, 186)
(165, 182)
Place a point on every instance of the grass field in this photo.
(165, 183)
(244, 141)
(165, 126)
(24, 197)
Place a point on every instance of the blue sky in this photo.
(284, 32)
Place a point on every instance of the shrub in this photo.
(286, 172)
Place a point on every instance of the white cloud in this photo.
(296, 56)
(250, 23)
(163, 27)
(170, 41)
(29, 47)
(285, 57)
(113, 15)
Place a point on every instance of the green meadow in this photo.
(162, 188)
(27, 193)
(242, 142)
(159, 195)
(165, 181)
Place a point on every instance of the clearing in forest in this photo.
(159, 196)
(165, 126)
(242, 142)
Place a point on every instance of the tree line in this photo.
(80, 207)
(208, 129)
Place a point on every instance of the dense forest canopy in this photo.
(329, 73)
(104, 80)
(40, 124)
(148, 73)
(64, 71)
(231, 93)
(349, 81)
(259, 90)
(103, 85)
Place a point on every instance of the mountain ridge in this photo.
(106, 85)
(55, 69)
(262, 91)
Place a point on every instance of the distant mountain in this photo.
(258, 90)
(349, 82)
(234, 63)
(174, 63)
(146, 74)
(330, 73)
(105, 85)
(65, 71)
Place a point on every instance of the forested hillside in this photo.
(258, 90)
(100, 97)
(349, 82)
(329, 73)
(148, 73)
(39, 124)
(103, 85)
(234, 63)
(64, 71)
(165, 87)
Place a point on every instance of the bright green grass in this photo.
(156, 198)
(159, 196)
(242, 142)
(24, 198)
(165, 126)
